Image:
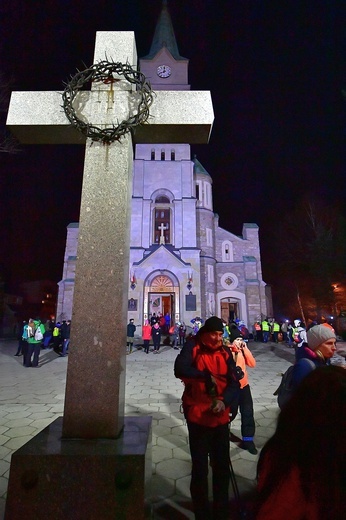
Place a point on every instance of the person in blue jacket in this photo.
(319, 349)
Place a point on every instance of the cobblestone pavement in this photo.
(31, 399)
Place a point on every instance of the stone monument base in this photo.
(64, 479)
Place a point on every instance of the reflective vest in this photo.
(265, 326)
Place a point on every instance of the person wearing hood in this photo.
(319, 349)
(211, 393)
(35, 336)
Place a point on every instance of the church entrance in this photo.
(161, 296)
(229, 310)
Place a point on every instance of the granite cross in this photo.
(94, 400)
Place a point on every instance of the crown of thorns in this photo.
(104, 72)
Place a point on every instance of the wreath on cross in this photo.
(104, 72)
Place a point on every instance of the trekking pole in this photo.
(240, 507)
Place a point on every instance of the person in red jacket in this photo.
(209, 373)
(146, 336)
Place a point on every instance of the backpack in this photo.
(38, 334)
(285, 390)
(297, 337)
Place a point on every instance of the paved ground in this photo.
(31, 399)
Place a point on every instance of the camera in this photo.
(239, 374)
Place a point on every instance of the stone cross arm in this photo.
(175, 116)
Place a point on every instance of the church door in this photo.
(229, 311)
(160, 297)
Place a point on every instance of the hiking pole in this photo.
(238, 501)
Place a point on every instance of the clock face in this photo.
(164, 71)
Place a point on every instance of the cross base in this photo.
(51, 477)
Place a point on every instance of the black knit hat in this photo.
(213, 324)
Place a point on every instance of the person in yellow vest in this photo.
(265, 330)
(276, 330)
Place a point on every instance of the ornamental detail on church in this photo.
(162, 284)
(229, 281)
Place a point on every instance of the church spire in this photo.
(164, 36)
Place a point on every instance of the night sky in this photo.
(275, 70)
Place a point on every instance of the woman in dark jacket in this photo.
(156, 335)
(316, 352)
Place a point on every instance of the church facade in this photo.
(181, 261)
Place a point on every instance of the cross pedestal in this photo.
(93, 461)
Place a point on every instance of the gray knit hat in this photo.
(319, 334)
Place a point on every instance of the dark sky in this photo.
(275, 70)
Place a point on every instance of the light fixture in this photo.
(189, 281)
(133, 281)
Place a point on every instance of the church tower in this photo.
(182, 264)
(163, 66)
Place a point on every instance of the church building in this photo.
(181, 261)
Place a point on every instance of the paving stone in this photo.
(20, 431)
(18, 442)
(4, 467)
(18, 423)
(182, 453)
(171, 441)
(40, 424)
(161, 430)
(159, 454)
(4, 439)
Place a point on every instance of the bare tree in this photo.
(313, 252)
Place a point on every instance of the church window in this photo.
(210, 273)
(227, 251)
(162, 226)
(152, 154)
(197, 191)
(209, 237)
(163, 155)
(208, 202)
(172, 155)
(162, 200)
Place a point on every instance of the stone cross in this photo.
(162, 228)
(95, 385)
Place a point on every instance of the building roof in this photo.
(164, 36)
(198, 168)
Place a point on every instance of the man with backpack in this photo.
(35, 336)
(316, 352)
(299, 336)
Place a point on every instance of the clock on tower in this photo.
(164, 71)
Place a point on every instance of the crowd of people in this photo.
(301, 469)
(36, 335)
(153, 330)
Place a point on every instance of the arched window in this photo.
(172, 155)
(227, 251)
(163, 155)
(152, 154)
(162, 221)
